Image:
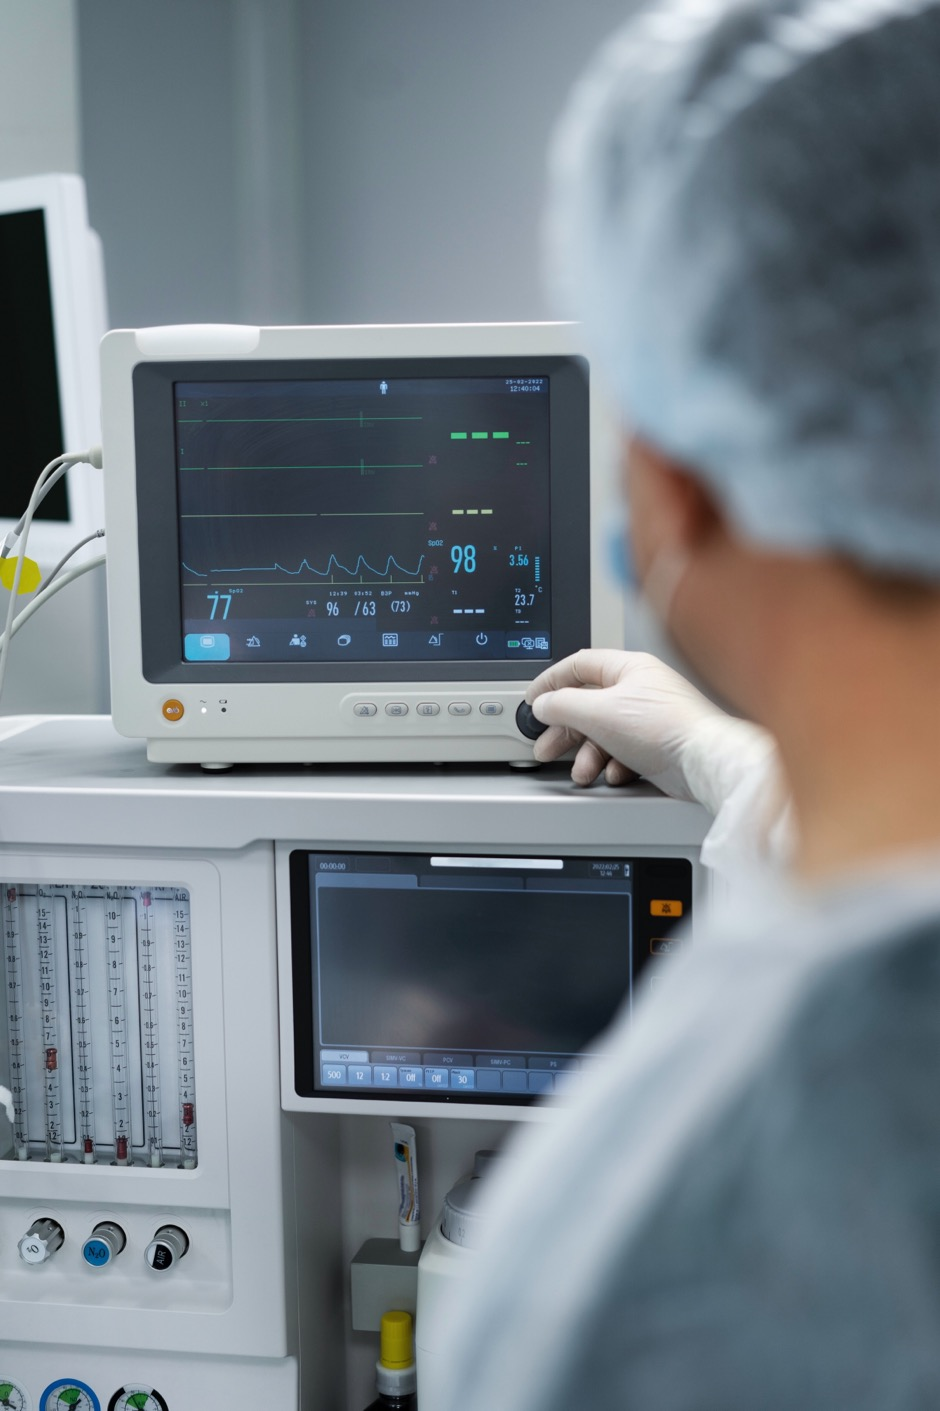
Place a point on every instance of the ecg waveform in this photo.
(333, 565)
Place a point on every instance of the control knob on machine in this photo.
(103, 1244)
(168, 1245)
(527, 722)
(41, 1241)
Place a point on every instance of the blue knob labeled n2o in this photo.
(103, 1244)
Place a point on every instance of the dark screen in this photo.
(470, 979)
(528, 970)
(30, 413)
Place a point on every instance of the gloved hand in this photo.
(629, 714)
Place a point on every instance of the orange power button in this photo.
(172, 710)
(665, 908)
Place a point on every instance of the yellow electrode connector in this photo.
(30, 577)
(396, 1348)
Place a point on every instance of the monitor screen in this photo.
(328, 520)
(31, 415)
(362, 519)
(479, 979)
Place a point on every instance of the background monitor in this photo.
(53, 315)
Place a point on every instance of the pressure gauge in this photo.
(135, 1398)
(13, 1397)
(69, 1395)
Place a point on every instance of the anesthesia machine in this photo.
(347, 549)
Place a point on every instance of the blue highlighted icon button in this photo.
(207, 646)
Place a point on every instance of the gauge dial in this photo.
(69, 1395)
(137, 1398)
(13, 1397)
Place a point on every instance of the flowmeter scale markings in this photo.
(99, 1022)
(13, 963)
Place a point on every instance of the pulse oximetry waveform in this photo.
(369, 520)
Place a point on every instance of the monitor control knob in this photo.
(103, 1244)
(41, 1241)
(168, 1245)
(527, 723)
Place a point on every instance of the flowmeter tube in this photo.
(16, 1020)
(49, 1010)
(83, 1052)
(98, 1021)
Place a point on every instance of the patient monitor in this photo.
(343, 544)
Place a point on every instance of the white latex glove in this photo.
(629, 714)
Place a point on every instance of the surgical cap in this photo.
(746, 217)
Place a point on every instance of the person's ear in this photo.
(669, 509)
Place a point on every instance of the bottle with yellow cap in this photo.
(395, 1379)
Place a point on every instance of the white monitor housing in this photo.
(344, 544)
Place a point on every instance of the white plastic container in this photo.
(448, 1251)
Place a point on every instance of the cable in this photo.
(43, 596)
(49, 475)
(95, 534)
(47, 482)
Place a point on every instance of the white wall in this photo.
(325, 160)
(427, 125)
(39, 128)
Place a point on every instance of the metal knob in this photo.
(41, 1241)
(103, 1244)
(527, 723)
(168, 1244)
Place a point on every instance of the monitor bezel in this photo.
(648, 874)
(158, 525)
